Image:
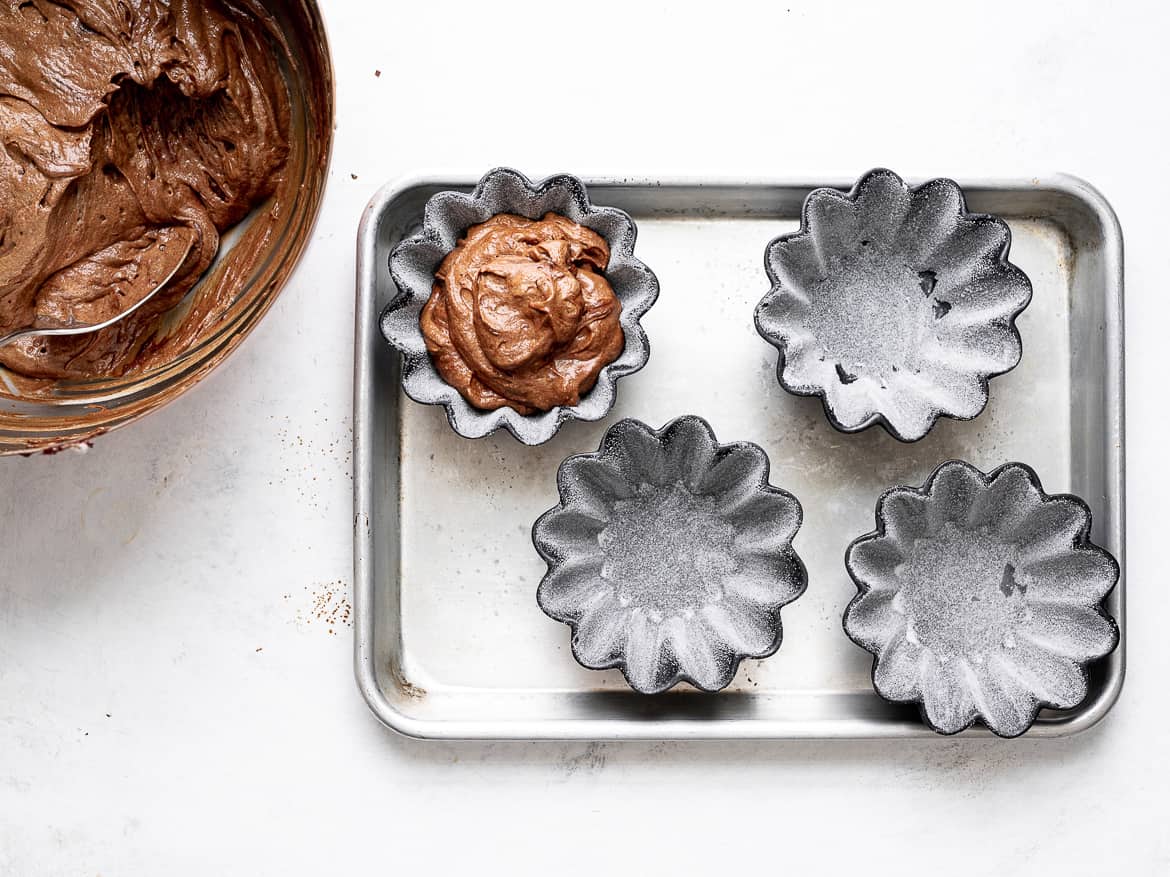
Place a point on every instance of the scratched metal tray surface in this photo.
(449, 641)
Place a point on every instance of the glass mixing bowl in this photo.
(66, 413)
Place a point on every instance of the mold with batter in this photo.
(519, 306)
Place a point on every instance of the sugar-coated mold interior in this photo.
(894, 304)
(670, 555)
(980, 598)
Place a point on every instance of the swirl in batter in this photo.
(134, 133)
(521, 314)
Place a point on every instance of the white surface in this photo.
(184, 575)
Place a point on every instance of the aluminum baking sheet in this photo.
(449, 642)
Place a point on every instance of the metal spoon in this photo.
(84, 328)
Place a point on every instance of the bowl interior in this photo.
(44, 415)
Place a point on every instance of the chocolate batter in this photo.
(134, 133)
(520, 314)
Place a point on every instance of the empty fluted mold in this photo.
(980, 598)
(447, 217)
(893, 304)
(669, 555)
